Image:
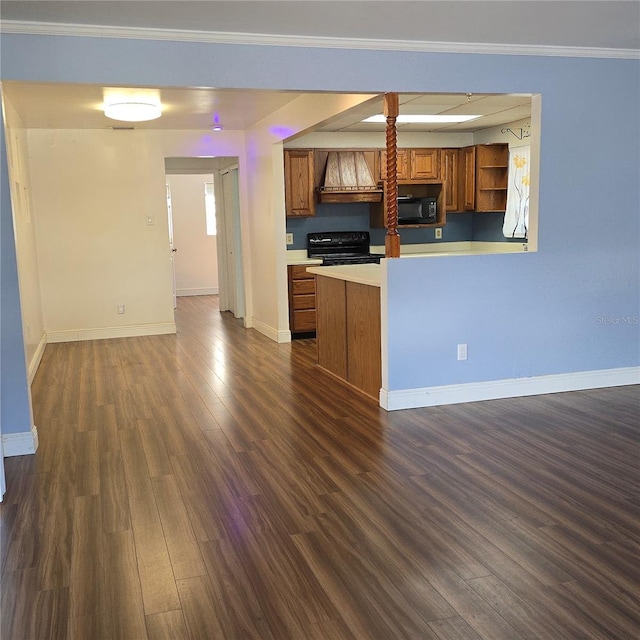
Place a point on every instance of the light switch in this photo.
(150, 220)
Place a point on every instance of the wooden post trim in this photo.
(392, 239)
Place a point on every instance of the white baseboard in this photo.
(102, 333)
(510, 388)
(37, 357)
(202, 291)
(20, 444)
(271, 333)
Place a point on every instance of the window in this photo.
(210, 208)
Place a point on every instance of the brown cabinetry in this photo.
(299, 175)
(302, 299)
(450, 172)
(468, 178)
(413, 165)
(424, 164)
(349, 333)
(485, 170)
(402, 164)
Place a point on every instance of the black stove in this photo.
(341, 247)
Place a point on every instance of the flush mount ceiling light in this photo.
(131, 105)
(132, 111)
(216, 127)
(423, 119)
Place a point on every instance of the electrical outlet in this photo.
(438, 233)
(149, 220)
(462, 352)
(289, 237)
(121, 308)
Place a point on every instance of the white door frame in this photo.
(229, 239)
(172, 249)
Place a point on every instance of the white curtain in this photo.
(516, 216)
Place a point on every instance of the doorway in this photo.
(205, 231)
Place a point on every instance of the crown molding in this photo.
(212, 37)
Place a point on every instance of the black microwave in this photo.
(413, 210)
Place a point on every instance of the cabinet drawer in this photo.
(302, 287)
(304, 321)
(299, 272)
(304, 302)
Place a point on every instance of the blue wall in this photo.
(521, 315)
(355, 217)
(15, 408)
(573, 306)
(460, 227)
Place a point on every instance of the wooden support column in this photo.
(392, 240)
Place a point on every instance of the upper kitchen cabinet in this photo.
(402, 164)
(413, 165)
(299, 175)
(424, 164)
(467, 178)
(450, 172)
(485, 169)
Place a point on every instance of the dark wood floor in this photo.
(216, 485)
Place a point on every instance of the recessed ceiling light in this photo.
(216, 127)
(424, 119)
(132, 111)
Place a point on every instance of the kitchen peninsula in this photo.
(348, 324)
(348, 312)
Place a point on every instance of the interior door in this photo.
(172, 249)
(234, 243)
(229, 243)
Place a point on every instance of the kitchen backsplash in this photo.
(485, 227)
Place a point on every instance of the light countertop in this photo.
(368, 274)
(299, 256)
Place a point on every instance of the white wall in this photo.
(377, 140)
(92, 194)
(25, 235)
(92, 191)
(265, 176)
(196, 262)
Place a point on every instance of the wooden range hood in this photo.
(348, 178)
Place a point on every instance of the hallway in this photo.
(216, 485)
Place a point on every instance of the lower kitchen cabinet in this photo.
(349, 333)
(302, 299)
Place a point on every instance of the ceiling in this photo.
(75, 106)
(608, 24)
